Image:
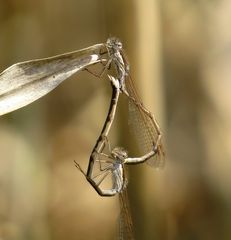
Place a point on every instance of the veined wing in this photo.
(144, 126)
(125, 222)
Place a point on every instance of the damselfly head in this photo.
(115, 43)
(119, 153)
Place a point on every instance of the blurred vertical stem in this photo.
(149, 83)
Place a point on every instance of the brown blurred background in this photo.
(180, 56)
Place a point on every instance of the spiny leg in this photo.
(79, 168)
(105, 67)
(96, 175)
(106, 142)
(96, 185)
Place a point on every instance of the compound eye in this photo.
(119, 44)
(125, 155)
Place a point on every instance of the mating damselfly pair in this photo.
(112, 164)
(26, 82)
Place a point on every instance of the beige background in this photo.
(180, 57)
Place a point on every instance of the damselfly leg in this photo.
(108, 169)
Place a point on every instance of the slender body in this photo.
(142, 120)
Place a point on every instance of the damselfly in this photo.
(113, 165)
(145, 126)
(102, 164)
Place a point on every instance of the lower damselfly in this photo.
(106, 162)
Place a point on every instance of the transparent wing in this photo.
(125, 221)
(25, 82)
(144, 127)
